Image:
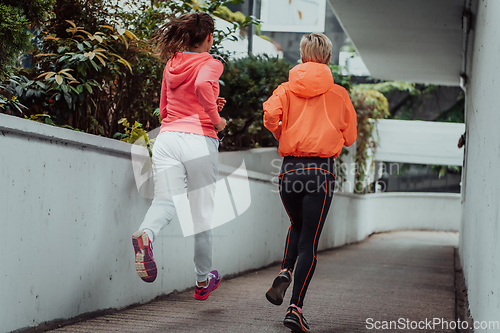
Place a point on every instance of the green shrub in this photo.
(370, 105)
(246, 84)
(94, 63)
(16, 18)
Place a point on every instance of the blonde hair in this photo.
(316, 48)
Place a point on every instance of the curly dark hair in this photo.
(180, 33)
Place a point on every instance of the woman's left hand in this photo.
(221, 101)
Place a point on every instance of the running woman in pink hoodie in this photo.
(186, 150)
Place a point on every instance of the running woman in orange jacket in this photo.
(312, 118)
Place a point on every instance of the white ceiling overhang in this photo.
(406, 40)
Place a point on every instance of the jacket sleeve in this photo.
(350, 133)
(206, 88)
(273, 108)
(163, 96)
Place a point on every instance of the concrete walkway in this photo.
(408, 275)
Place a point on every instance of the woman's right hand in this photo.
(220, 126)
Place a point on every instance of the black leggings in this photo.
(306, 188)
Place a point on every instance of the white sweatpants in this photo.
(185, 164)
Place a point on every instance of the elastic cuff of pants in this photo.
(150, 233)
(201, 278)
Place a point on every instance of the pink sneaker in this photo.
(202, 293)
(144, 262)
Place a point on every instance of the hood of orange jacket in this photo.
(184, 65)
(317, 117)
(310, 79)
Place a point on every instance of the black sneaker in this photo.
(276, 293)
(295, 321)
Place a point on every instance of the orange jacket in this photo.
(317, 116)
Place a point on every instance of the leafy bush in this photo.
(94, 65)
(370, 105)
(246, 84)
(133, 133)
(16, 17)
(84, 80)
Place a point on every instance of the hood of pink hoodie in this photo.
(181, 66)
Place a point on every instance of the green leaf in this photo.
(67, 97)
(63, 58)
(41, 85)
(61, 49)
(80, 46)
(94, 64)
(442, 172)
(79, 89)
(89, 88)
(123, 121)
(81, 68)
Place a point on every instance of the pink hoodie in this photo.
(189, 93)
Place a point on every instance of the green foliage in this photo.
(18, 91)
(42, 118)
(455, 114)
(9, 103)
(16, 18)
(134, 134)
(442, 170)
(408, 100)
(246, 84)
(77, 79)
(35, 11)
(226, 14)
(338, 78)
(14, 36)
(370, 105)
(387, 87)
(94, 64)
(152, 17)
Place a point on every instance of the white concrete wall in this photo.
(422, 142)
(353, 217)
(69, 205)
(480, 230)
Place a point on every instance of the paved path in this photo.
(407, 275)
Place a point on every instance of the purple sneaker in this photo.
(202, 293)
(144, 263)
